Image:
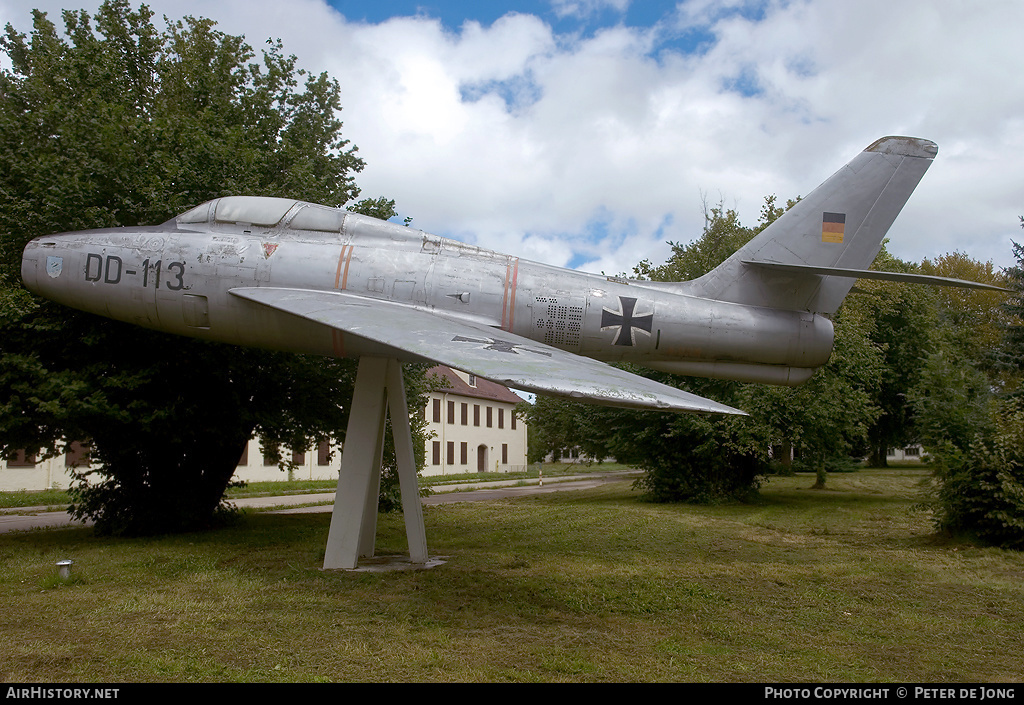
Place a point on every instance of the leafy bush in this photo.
(980, 492)
(700, 460)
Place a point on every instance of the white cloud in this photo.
(586, 8)
(526, 141)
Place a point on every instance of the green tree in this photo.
(558, 426)
(970, 410)
(980, 490)
(974, 319)
(1010, 355)
(903, 316)
(116, 123)
(958, 374)
(701, 459)
(951, 401)
(827, 418)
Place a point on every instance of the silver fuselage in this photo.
(177, 278)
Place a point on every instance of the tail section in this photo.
(809, 259)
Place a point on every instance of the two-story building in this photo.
(474, 426)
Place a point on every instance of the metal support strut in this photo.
(379, 389)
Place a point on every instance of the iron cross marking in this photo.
(626, 321)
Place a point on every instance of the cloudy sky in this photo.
(587, 133)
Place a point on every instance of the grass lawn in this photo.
(848, 584)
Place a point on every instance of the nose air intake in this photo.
(40, 255)
(28, 269)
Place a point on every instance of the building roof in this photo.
(484, 389)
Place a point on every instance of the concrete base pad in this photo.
(381, 564)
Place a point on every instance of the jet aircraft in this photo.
(288, 275)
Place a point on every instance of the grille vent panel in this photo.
(559, 320)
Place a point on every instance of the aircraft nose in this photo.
(43, 260)
(29, 265)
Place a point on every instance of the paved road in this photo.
(38, 518)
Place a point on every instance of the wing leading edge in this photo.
(477, 348)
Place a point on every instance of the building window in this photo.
(504, 453)
(465, 414)
(437, 411)
(323, 453)
(451, 452)
(437, 453)
(299, 458)
(489, 417)
(451, 413)
(472, 380)
(243, 461)
(513, 420)
(476, 414)
(21, 459)
(464, 454)
(501, 418)
(78, 454)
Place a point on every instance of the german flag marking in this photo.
(833, 227)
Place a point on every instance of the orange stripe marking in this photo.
(512, 303)
(341, 258)
(348, 261)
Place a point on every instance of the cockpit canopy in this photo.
(267, 212)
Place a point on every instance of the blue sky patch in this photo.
(746, 83)
(639, 14)
(518, 92)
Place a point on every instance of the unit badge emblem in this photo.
(54, 265)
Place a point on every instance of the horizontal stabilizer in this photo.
(871, 274)
(490, 353)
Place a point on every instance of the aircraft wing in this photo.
(480, 349)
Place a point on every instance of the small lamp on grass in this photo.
(64, 568)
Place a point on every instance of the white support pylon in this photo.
(379, 392)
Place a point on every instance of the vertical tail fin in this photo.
(839, 225)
